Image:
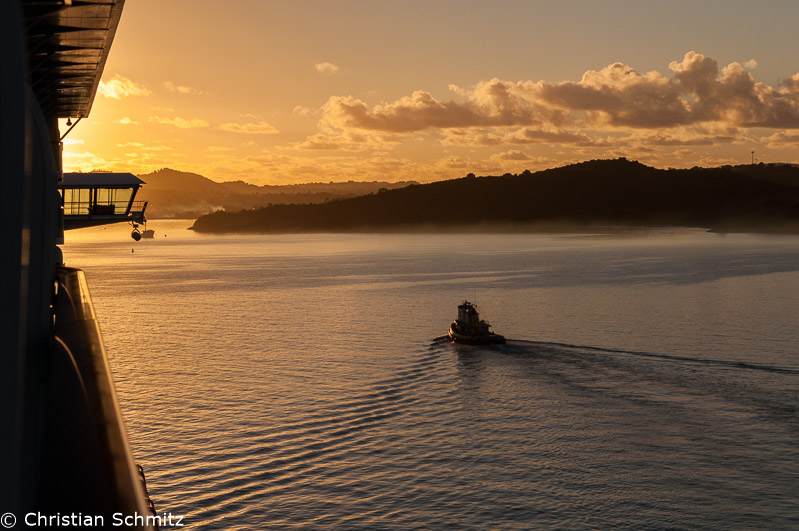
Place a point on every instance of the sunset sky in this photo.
(289, 92)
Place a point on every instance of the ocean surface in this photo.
(650, 381)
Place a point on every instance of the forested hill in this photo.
(178, 194)
(604, 192)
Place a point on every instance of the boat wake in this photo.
(673, 381)
(669, 357)
(310, 453)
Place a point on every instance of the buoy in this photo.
(131, 250)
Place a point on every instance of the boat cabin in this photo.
(468, 316)
(100, 198)
(469, 329)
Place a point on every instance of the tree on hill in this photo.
(593, 192)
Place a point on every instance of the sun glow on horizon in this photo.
(421, 101)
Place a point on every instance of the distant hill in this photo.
(606, 192)
(177, 194)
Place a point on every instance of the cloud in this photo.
(454, 165)
(126, 121)
(142, 149)
(348, 141)
(120, 87)
(157, 148)
(531, 135)
(512, 155)
(689, 137)
(493, 103)
(522, 136)
(84, 155)
(782, 139)
(320, 143)
(616, 97)
(260, 128)
(171, 87)
(326, 68)
(179, 122)
(84, 162)
(518, 161)
(305, 112)
(472, 137)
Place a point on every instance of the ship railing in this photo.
(90, 469)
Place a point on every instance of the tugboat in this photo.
(469, 329)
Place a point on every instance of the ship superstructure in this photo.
(63, 444)
(468, 328)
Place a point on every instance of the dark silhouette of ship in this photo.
(469, 329)
(64, 449)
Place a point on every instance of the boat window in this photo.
(76, 201)
(122, 197)
(104, 196)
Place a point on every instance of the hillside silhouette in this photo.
(177, 194)
(598, 192)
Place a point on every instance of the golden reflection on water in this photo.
(292, 379)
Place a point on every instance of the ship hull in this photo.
(476, 339)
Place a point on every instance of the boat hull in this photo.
(477, 339)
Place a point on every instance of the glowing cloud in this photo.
(614, 97)
(512, 155)
(171, 87)
(179, 122)
(120, 87)
(326, 68)
(260, 128)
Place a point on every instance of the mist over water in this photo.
(651, 378)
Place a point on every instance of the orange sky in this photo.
(278, 93)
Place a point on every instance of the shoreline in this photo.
(552, 228)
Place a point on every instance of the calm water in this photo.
(651, 379)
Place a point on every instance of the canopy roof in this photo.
(100, 180)
(68, 43)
